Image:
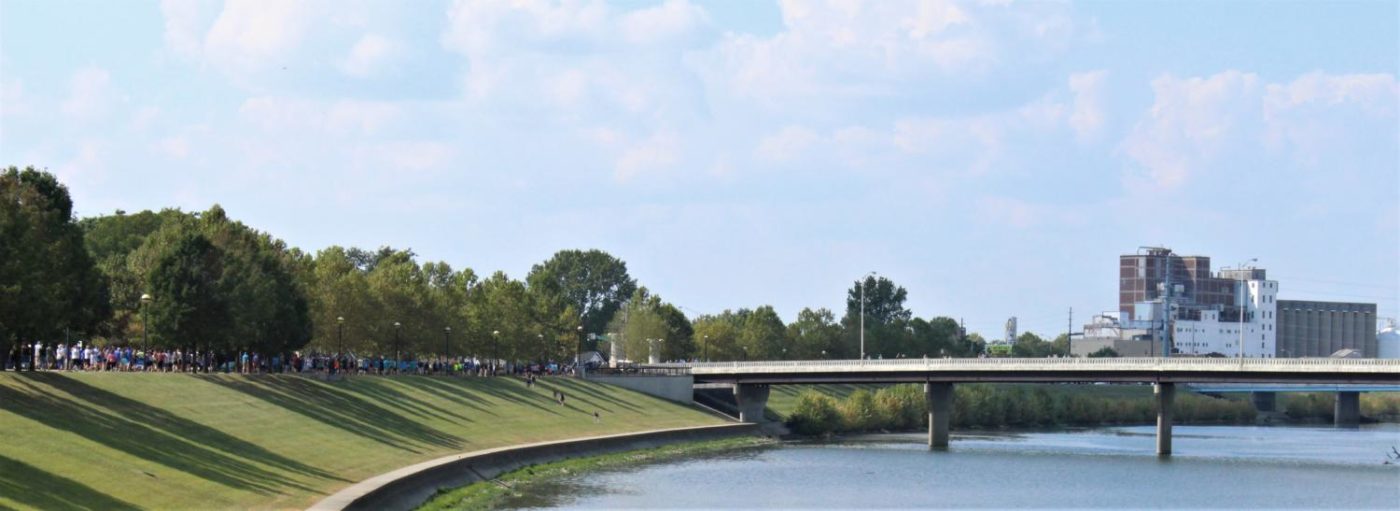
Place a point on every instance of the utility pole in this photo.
(1069, 334)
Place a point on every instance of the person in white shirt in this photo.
(61, 355)
(74, 352)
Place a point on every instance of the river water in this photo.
(1213, 467)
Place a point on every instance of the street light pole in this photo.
(707, 348)
(340, 334)
(446, 346)
(398, 348)
(495, 350)
(145, 321)
(862, 314)
(578, 354)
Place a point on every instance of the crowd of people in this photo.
(80, 357)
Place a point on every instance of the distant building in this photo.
(1175, 303)
(1319, 329)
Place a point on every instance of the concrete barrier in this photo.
(677, 388)
(411, 486)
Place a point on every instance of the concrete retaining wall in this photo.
(409, 487)
(671, 388)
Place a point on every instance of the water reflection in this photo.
(1214, 467)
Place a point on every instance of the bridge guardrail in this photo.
(1052, 364)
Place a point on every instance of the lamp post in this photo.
(578, 354)
(862, 313)
(397, 347)
(544, 351)
(446, 346)
(707, 348)
(340, 334)
(495, 350)
(145, 321)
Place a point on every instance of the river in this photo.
(1214, 467)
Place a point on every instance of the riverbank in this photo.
(515, 484)
(829, 409)
(176, 441)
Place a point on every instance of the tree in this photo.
(814, 335)
(48, 281)
(1029, 345)
(886, 319)
(764, 335)
(639, 325)
(593, 282)
(1104, 352)
(112, 239)
(189, 310)
(718, 335)
(260, 282)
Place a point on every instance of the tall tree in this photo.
(815, 335)
(48, 281)
(886, 318)
(764, 335)
(191, 310)
(594, 282)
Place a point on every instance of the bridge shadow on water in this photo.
(344, 409)
(31, 486)
(154, 435)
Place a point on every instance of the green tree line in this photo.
(202, 280)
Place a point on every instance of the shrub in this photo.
(815, 414)
(859, 413)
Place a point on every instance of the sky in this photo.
(994, 158)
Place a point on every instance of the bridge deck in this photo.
(1146, 369)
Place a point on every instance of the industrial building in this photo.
(1170, 304)
(1319, 329)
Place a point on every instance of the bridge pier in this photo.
(1264, 401)
(1348, 409)
(751, 400)
(1166, 395)
(940, 410)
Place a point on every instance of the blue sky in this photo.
(993, 157)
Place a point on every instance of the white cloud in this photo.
(1190, 120)
(1196, 124)
(256, 34)
(787, 144)
(658, 152)
(670, 20)
(1087, 116)
(88, 93)
(840, 49)
(185, 24)
(370, 54)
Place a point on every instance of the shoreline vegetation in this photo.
(492, 493)
(821, 412)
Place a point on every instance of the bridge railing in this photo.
(1124, 363)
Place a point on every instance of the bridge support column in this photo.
(940, 410)
(751, 400)
(1348, 410)
(1264, 401)
(1166, 395)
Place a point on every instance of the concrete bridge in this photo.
(751, 380)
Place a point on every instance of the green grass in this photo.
(782, 399)
(489, 495)
(170, 441)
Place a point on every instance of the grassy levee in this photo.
(171, 441)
